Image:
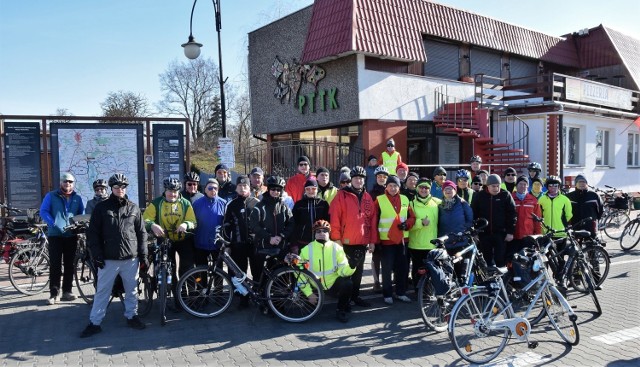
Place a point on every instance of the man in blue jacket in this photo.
(209, 211)
(57, 209)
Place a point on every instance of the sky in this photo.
(71, 54)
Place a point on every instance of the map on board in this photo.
(93, 153)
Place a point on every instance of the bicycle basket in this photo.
(18, 226)
(621, 202)
(522, 268)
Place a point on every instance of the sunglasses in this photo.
(118, 187)
(424, 188)
(510, 174)
(322, 230)
(67, 181)
(192, 184)
(211, 188)
(477, 183)
(441, 174)
(553, 185)
(275, 189)
(303, 164)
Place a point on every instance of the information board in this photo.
(22, 156)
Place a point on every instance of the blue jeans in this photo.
(394, 259)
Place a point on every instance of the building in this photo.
(335, 80)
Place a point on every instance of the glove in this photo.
(403, 226)
(144, 263)
(98, 263)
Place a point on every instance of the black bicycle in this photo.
(631, 234)
(162, 278)
(286, 286)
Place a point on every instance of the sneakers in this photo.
(52, 300)
(377, 288)
(388, 300)
(403, 298)
(342, 316)
(90, 330)
(136, 323)
(68, 296)
(360, 302)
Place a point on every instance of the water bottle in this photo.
(169, 279)
(240, 288)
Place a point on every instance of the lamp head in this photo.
(192, 48)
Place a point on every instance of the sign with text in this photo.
(168, 154)
(22, 155)
(580, 90)
(226, 152)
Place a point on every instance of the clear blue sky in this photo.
(72, 53)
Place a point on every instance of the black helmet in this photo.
(358, 171)
(275, 181)
(534, 166)
(192, 176)
(99, 183)
(117, 179)
(172, 184)
(475, 158)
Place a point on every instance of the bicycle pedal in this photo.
(532, 345)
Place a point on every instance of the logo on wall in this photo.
(290, 76)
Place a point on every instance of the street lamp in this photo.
(192, 51)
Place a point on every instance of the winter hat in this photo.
(493, 180)
(522, 178)
(438, 171)
(322, 170)
(391, 143)
(403, 166)
(372, 157)
(243, 180)
(311, 182)
(413, 174)
(393, 179)
(582, 177)
(510, 170)
(450, 184)
(476, 179)
(222, 166)
(304, 158)
(423, 181)
(482, 171)
(257, 170)
(345, 177)
(537, 179)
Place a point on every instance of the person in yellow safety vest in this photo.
(395, 218)
(425, 207)
(390, 158)
(328, 262)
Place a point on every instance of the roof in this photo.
(394, 29)
(628, 49)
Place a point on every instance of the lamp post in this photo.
(192, 51)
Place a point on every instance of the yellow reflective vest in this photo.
(390, 161)
(420, 236)
(388, 215)
(327, 262)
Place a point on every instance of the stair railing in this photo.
(463, 111)
(511, 129)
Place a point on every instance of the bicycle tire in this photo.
(521, 304)
(560, 317)
(469, 339)
(144, 291)
(86, 278)
(29, 271)
(630, 235)
(284, 293)
(591, 287)
(598, 261)
(615, 223)
(435, 310)
(203, 293)
(162, 293)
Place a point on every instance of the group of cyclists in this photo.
(382, 208)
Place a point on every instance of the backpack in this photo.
(440, 268)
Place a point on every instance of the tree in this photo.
(125, 104)
(61, 112)
(241, 130)
(191, 89)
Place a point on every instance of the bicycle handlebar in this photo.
(11, 208)
(478, 225)
(568, 229)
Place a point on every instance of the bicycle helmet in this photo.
(99, 183)
(275, 181)
(118, 179)
(552, 180)
(192, 176)
(358, 171)
(437, 255)
(534, 166)
(475, 158)
(172, 184)
(321, 224)
(462, 173)
(381, 170)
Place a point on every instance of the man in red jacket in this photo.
(526, 204)
(295, 184)
(353, 226)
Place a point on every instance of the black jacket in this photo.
(227, 191)
(116, 230)
(269, 218)
(305, 212)
(585, 203)
(499, 210)
(236, 219)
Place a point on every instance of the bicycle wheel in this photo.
(29, 271)
(162, 293)
(470, 327)
(583, 280)
(144, 291)
(560, 316)
(520, 301)
(615, 223)
(598, 261)
(435, 310)
(86, 278)
(630, 235)
(284, 292)
(203, 293)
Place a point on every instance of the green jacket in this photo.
(327, 262)
(170, 215)
(556, 212)
(419, 235)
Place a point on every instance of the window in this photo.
(571, 139)
(633, 147)
(603, 147)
